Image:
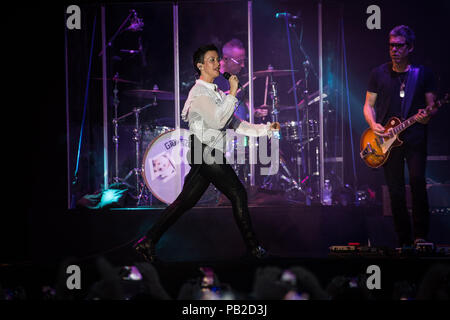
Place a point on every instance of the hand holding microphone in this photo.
(275, 128)
(234, 82)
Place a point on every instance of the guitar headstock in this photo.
(444, 100)
(438, 103)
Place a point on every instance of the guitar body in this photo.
(375, 149)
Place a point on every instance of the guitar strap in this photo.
(410, 89)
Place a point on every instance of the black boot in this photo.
(254, 249)
(145, 247)
(243, 221)
(259, 252)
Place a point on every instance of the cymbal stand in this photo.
(109, 43)
(116, 130)
(137, 140)
(293, 185)
(274, 96)
(274, 180)
(306, 115)
(307, 67)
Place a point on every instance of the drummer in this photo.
(233, 61)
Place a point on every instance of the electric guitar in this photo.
(375, 149)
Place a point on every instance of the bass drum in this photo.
(165, 165)
(150, 133)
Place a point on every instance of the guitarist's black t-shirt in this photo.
(386, 84)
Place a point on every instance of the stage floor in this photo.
(210, 234)
(293, 235)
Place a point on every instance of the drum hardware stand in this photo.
(119, 30)
(116, 128)
(136, 139)
(287, 177)
(306, 115)
(316, 173)
(274, 180)
(144, 194)
(307, 66)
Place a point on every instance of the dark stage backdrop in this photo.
(34, 119)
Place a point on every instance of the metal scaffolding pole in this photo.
(321, 147)
(252, 149)
(105, 102)
(176, 62)
(176, 77)
(66, 58)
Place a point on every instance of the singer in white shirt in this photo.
(209, 111)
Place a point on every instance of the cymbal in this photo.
(151, 94)
(117, 79)
(313, 98)
(273, 72)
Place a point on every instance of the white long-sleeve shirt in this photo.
(208, 109)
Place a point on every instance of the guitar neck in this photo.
(404, 125)
(410, 121)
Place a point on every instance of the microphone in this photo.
(136, 23)
(227, 76)
(280, 15)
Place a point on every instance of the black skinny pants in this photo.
(196, 182)
(394, 171)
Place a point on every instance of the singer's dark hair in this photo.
(199, 55)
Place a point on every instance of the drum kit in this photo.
(294, 177)
(143, 135)
(160, 162)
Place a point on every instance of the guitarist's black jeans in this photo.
(224, 178)
(394, 171)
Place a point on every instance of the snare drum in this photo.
(165, 164)
(290, 131)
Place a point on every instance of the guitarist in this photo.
(400, 89)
